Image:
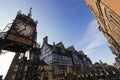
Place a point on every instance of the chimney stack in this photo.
(45, 39)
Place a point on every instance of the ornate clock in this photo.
(24, 29)
(21, 36)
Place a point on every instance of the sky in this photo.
(67, 21)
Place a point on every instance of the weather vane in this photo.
(30, 12)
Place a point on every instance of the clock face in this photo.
(24, 29)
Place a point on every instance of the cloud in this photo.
(93, 38)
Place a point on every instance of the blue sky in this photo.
(69, 21)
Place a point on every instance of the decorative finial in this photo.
(19, 12)
(30, 12)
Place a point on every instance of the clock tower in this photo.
(22, 34)
(21, 38)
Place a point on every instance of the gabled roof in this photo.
(59, 51)
(96, 64)
(81, 53)
(71, 48)
(50, 45)
(60, 44)
(88, 59)
(57, 48)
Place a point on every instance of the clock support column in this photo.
(21, 68)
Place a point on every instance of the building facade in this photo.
(107, 13)
(64, 61)
(50, 62)
(105, 71)
(23, 68)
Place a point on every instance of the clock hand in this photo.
(23, 29)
